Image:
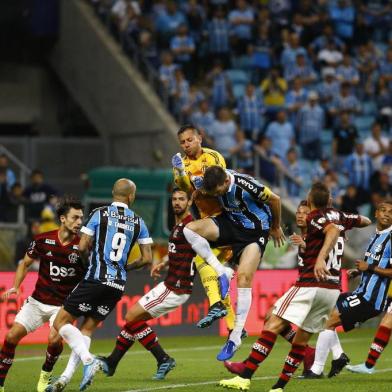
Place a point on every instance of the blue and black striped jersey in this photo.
(115, 229)
(245, 200)
(373, 287)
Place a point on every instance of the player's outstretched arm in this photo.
(332, 234)
(276, 231)
(144, 260)
(20, 275)
(364, 221)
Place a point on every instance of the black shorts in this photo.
(92, 299)
(238, 237)
(354, 310)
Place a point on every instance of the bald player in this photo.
(109, 233)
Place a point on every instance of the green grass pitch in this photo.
(197, 369)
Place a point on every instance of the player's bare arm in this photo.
(364, 221)
(144, 260)
(332, 234)
(276, 232)
(20, 275)
(85, 245)
(364, 266)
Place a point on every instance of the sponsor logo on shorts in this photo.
(85, 307)
(104, 310)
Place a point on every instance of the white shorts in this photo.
(161, 300)
(307, 307)
(33, 314)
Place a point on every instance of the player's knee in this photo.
(244, 279)
(55, 340)
(14, 336)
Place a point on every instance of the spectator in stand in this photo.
(296, 98)
(346, 72)
(376, 145)
(183, 48)
(267, 161)
(203, 118)
(195, 96)
(223, 132)
(281, 133)
(280, 13)
(322, 168)
(242, 153)
(9, 173)
(345, 136)
(250, 111)
(301, 70)
(241, 21)
(359, 169)
(350, 200)
(386, 67)
(167, 23)
(294, 175)
(218, 37)
(328, 89)
(321, 42)
(381, 188)
(148, 48)
(387, 162)
(179, 94)
(37, 194)
(342, 14)
(377, 16)
(367, 66)
(330, 56)
(309, 16)
(345, 102)
(125, 14)
(166, 71)
(195, 15)
(4, 200)
(274, 89)
(16, 199)
(290, 53)
(384, 103)
(262, 54)
(221, 87)
(311, 122)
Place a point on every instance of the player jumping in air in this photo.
(60, 270)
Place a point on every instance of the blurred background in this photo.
(289, 91)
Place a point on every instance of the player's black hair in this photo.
(186, 127)
(213, 176)
(177, 189)
(35, 172)
(319, 195)
(303, 203)
(388, 200)
(66, 203)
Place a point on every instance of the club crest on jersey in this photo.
(73, 258)
(50, 242)
(378, 248)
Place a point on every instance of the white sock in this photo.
(336, 347)
(244, 301)
(74, 360)
(76, 341)
(201, 246)
(323, 346)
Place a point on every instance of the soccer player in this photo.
(192, 165)
(251, 214)
(368, 300)
(167, 296)
(59, 272)
(308, 303)
(110, 233)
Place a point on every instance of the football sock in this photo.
(124, 342)
(292, 362)
(260, 351)
(336, 347)
(230, 317)
(244, 301)
(7, 354)
(288, 333)
(76, 341)
(209, 280)
(379, 343)
(325, 339)
(74, 360)
(201, 246)
(52, 355)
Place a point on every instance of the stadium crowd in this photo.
(291, 91)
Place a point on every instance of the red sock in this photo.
(260, 351)
(288, 334)
(7, 354)
(292, 362)
(52, 355)
(379, 343)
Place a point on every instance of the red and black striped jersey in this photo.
(181, 267)
(60, 268)
(317, 221)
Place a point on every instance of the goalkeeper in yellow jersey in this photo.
(194, 163)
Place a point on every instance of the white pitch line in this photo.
(176, 350)
(174, 386)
